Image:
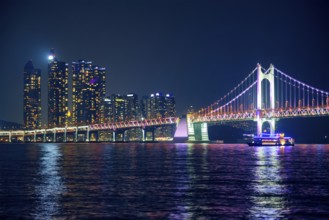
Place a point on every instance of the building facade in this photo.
(158, 106)
(88, 91)
(115, 108)
(32, 96)
(57, 91)
(170, 106)
(122, 108)
(132, 111)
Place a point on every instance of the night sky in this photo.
(197, 50)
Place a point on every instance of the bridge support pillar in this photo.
(124, 135)
(113, 136)
(35, 137)
(76, 135)
(143, 134)
(261, 121)
(44, 136)
(87, 137)
(196, 132)
(204, 132)
(190, 128)
(148, 131)
(54, 140)
(65, 135)
(9, 138)
(272, 125)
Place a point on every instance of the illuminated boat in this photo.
(271, 140)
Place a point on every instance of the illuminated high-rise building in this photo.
(144, 106)
(122, 108)
(88, 93)
(132, 108)
(170, 106)
(115, 108)
(99, 84)
(32, 96)
(57, 91)
(160, 106)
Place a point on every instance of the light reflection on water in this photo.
(163, 181)
(51, 186)
(269, 192)
(181, 162)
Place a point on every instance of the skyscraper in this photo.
(57, 91)
(99, 84)
(159, 106)
(170, 106)
(132, 108)
(32, 96)
(88, 92)
(115, 108)
(144, 106)
(122, 108)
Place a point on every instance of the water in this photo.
(163, 181)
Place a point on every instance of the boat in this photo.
(271, 140)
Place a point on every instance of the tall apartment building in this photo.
(158, 106)
(132, 112)
(115, 108)
(57, 91)
(32, 96)
(88, 91)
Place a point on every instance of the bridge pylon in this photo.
(268, 75)
(196, 131)
(190, 128)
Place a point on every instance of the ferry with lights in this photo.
(271, 140)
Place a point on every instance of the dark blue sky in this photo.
(197, 50)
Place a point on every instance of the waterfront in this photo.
(170, 181)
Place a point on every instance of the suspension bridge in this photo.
(264, 96)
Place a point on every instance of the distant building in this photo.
(144, 108)
(57, 91)
(88, 84)
(7, 125)
(159, 106)
(132, 109)
(170, 106)
(32, 97)
(122, 108)
(115, 108)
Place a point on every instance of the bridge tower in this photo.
(269, 75)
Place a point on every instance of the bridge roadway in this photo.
(265, 113)
(198, 124)
(51, 134)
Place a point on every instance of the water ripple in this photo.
(163, 181)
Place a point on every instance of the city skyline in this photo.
(77, 96)
(195, 50)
